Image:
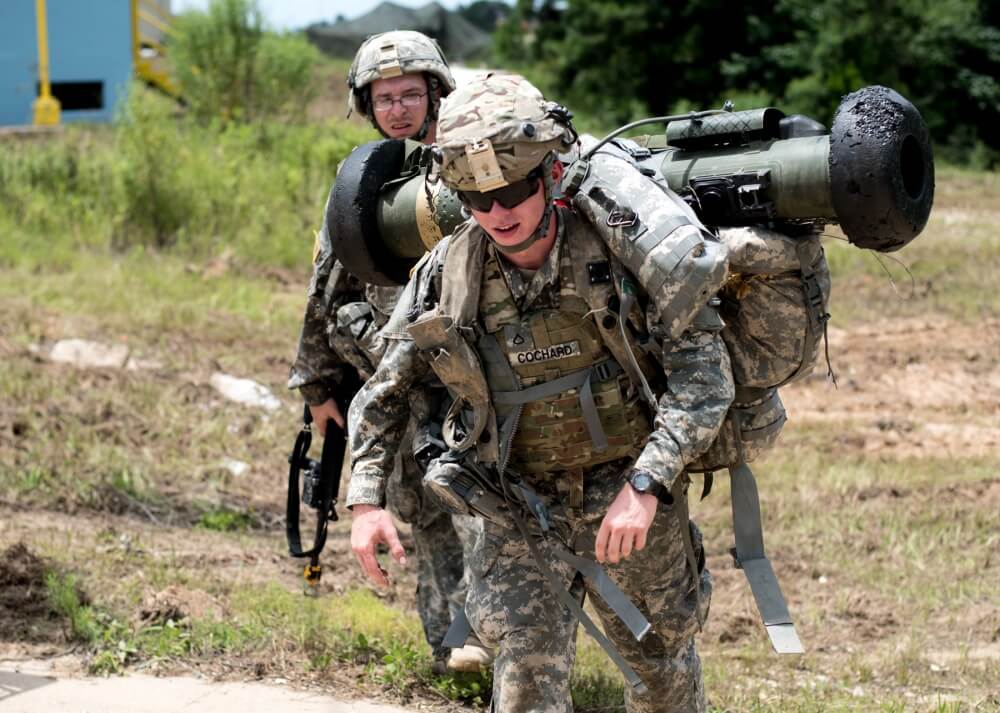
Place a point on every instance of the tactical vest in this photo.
(568, 428)
(552, 377)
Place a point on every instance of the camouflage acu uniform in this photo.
(509, 604)
(471, 318)
(341, 330)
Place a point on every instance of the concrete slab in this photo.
(23, 692)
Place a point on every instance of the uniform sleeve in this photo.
(380, 412)
(378, 418)
(316, 364)
(693, 407)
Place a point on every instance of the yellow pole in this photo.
(135, 32)
(46, 107)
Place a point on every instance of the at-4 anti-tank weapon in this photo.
(872, 173)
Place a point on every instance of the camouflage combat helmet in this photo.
(497, 130)
(392, 54)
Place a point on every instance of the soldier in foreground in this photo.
(519, 313)
(397, 80)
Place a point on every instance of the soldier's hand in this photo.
(371, 526)
(625, 526)
(324, 412)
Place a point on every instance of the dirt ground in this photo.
(909, 391)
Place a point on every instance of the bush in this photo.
(164, 180)
(231, 68)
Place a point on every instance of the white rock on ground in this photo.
(236, 467)
(244, 391)
(89, 355)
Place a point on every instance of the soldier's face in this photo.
(510, 226)
(406, 110)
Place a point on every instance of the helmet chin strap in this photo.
(543, 224)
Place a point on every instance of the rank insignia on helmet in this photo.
(485, 166)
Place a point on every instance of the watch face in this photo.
(642, 482)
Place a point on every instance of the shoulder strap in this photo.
(464, 266)
(588, 250)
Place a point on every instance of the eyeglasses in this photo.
(410, 99)
(509, 196)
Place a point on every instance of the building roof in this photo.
(459, 39)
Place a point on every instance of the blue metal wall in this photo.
(88, 41)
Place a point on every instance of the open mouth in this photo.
(401, 127)
(506, 229)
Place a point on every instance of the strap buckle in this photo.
(621, 219)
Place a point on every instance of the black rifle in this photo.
(320, 482)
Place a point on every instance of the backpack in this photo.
(772, 297)
(774, 305)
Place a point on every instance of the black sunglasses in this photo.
(509, 196)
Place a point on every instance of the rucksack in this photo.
(772, 298)
(774, 304)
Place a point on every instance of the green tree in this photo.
(231, 68)
(646, 56)
(944, 55)
(618, 60)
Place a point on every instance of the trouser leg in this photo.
(657, 579)
(467, 528)
(439, 572)
(511, 607)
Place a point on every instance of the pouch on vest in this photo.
(469, 421)
(354, 337)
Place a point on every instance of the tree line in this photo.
(619, 61)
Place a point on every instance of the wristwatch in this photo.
(643, 483)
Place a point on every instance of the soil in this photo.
(25, 614)
(908, 389)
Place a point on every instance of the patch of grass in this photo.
(950, 262)
(252, 188)
(595, 683)
(472, 688)
(66, 600)
(225, 519)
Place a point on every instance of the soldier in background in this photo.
(397, 80)
(508, 312)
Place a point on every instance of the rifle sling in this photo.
(573, 605)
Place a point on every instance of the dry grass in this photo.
(880, 505)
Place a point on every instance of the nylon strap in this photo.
(633, 680)
(604, 371)
(581, 379)
(679, 494)
(751, 558)
(614, 597)
(817, 317)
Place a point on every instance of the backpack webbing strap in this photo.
(751, 559)
(607, 590)
(581, 379)
(679, 494)
(815, 309)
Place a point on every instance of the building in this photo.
(94, 49)
(459, 39)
